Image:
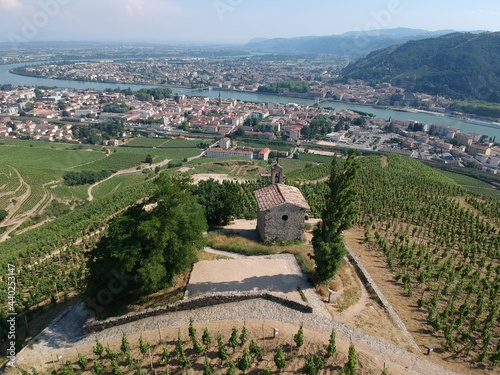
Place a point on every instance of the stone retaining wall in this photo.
(205, 300)
(372, 286)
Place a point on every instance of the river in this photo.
(425, 118)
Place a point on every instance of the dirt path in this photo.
(11, 221)
(125, 171)
(384, 162)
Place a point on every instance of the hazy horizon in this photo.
(229, 21)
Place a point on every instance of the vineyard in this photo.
(11, 187)
(50, 260)
(440, 240)
(241, 350)
(442, 243)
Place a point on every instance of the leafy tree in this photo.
(331, 348)
(385, 371)
(153, 244)
(125, 345)
(245, 361)
(98, 348)
(116, 108)
(320, 125)
(85, 177)
(233, 340)
(207, 369)
(298, 338)
(149, 159)
(82, 362)
(165, 356)
(243, 336)
(222, 353)
(205, 338)
(220, 200)
(313, 365)
(338, 215)
(97, 368)
(255, 350)
(231, 368)
(351, 365)
(279, 359)
(158, 93)
(3, 214)
(143, 346)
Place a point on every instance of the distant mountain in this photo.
(458, 65)
(351, 44)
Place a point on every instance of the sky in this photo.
(231, 21)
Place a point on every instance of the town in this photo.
(52, 115)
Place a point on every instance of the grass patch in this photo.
(116, 183)
(473, 184)
(313, 158)
(349, 286)
(235, 243)
(145, 142)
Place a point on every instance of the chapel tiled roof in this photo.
(274, 195)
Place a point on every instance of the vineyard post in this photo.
(159, 331)
(151, 361)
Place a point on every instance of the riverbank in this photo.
(7, 77)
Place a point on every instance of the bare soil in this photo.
(414, 318)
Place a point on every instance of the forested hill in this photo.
(458, 65)
(350, 45)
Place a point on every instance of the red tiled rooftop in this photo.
(274, 195)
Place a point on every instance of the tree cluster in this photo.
(282, 87)
(152, 242)
(3, 215)
(339, 213)
(320, 125)
(95, 133)
(116, 108)
(158, 93)
(85, 177)
(225, 200)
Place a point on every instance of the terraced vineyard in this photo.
(440, 240)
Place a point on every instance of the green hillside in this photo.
(458, 65)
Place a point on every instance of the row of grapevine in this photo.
(209, 355)
(50, 261)
(445, 253)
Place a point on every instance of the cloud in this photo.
(10, 4)
(134, 7)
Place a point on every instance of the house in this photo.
(220, 153)
(264, 154)
(408, 143)
(225, 143)
(475, 149)
(281, 210)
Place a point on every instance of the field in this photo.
(473, 184)
(32, 174)
(431, 243)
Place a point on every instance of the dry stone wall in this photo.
(210, 299)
